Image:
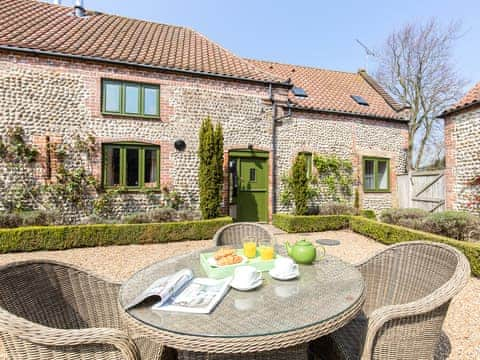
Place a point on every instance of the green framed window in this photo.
(309, 159)
(376, 174)
(130, 99)
(131, 165)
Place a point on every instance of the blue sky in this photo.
(318, 33)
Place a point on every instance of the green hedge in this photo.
(67, 237)
(310, 223)
(391, 234)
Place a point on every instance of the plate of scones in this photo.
(226, 257)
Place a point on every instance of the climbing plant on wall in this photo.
(335, 176)
(19, 190)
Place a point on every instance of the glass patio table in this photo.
(277, 319)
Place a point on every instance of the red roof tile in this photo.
(32, 24)
(471, 98)
(331, 91)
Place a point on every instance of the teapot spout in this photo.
(289, 248)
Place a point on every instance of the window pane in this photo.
(150, 101)
(382, 175)
(112, 97)
(133, 159)
(369, 177)
(132, 99)
(150, 176)
(112, 165)
(253, 175)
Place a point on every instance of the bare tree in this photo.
(416, 66)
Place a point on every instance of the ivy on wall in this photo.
(336, 176)
(19, 188)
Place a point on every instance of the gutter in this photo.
(457, 110)
(144, 66)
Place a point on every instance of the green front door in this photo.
(252, 192)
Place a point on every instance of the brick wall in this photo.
(462, 158)
(61, 98)
(350, 138)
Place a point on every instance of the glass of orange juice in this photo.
(267, 252)
(250, 248)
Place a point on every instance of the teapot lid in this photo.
(303, 242)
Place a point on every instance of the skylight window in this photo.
(299, 92)
(359, 100)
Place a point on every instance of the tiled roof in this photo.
(471, 98)
(332, 90)
(35, 25)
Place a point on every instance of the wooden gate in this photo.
(422, 190)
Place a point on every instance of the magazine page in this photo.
(200, 296)
(163, 288)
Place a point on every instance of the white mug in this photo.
(285, 265)
(246, 275)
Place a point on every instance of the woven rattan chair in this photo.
(50, 310)
(409, 287)
(235, 234)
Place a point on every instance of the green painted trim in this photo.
(376, 160)
(123, 165)
(249, 153)
(122, 99)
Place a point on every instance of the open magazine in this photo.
(181, 292)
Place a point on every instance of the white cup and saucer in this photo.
(246, 278)
(285, 269)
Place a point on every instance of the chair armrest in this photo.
(379, 317)
(43, 335)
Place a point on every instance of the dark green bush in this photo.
(294, 224)
(210, 172)
(454, 224)
(300, 185)
(67, 237)
(369, 214)
(391, 234)
(405, 216)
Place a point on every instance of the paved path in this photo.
(462, 335)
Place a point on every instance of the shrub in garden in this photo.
(453, 224)
(161, 215)
(39, 218)
(369, 214)
(403, 216)
(334, 208)
(210, 174)
(10, 220)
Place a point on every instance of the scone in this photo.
(223, 253)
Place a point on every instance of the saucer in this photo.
(248, 287)
(284, 277)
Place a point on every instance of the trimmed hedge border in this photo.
(310, 223)
(67, 237)
(391, 234)
(381, 232)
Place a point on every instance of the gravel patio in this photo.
(461, 339)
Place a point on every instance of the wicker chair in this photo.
(409, 287)
(50, 310)
(234, 234)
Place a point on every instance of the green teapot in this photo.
(303, 252)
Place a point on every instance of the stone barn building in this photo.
(462, 153)
(140, 90)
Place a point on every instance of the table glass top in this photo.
(323, 291)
